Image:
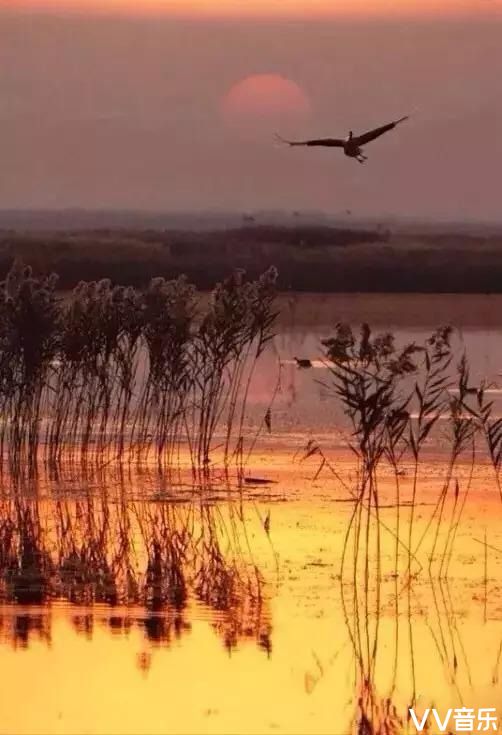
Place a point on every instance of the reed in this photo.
(110, 373)
(399, 401)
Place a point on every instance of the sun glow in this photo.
(264, 98)
(264, 8)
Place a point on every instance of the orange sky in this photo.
(308, 8)
(102, 114)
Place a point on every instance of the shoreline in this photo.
(315, 259)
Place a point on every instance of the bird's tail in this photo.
(284, 141)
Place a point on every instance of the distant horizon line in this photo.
(243, 213)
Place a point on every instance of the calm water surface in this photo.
(132, 602)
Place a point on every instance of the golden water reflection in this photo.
(261, 633)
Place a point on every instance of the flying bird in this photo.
(352, 145)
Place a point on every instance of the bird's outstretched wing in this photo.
(327, 142)
(377, 132)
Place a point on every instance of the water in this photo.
(266, 636)
(303, 403)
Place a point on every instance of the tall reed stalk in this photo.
(110, 373)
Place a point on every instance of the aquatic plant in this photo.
(29, 323)
(395, 398)
(108, 373)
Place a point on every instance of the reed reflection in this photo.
(148, 561)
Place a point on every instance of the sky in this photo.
(266, 8)
(145, 108)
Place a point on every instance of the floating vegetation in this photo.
(111, 373)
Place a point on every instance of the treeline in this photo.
(309, 258)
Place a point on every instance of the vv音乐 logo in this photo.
(461, 719)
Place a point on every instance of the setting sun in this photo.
(268, 99)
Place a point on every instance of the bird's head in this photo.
(350, 136)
